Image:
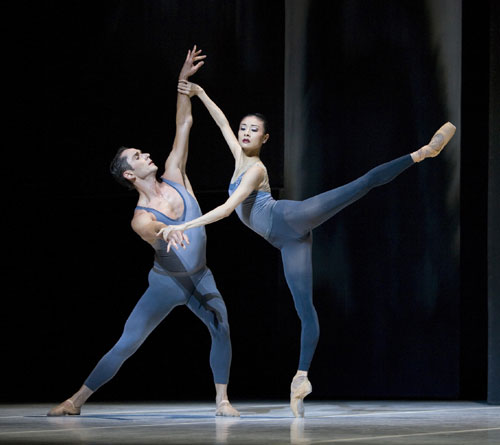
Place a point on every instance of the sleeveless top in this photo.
(193, 258)
(256, 210)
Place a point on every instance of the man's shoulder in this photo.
(140, 217)
(179, 184)
(166, 179)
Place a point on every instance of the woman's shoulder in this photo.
(243, 168)
(256, 169)
(261, 175)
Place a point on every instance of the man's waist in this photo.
(177, 273)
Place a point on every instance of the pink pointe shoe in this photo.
(299, 389)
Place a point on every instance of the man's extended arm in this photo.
(175, 166)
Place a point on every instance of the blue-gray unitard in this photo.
(287, 225)
(179, 277)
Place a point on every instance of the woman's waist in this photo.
(258, 217)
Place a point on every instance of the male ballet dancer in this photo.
(178, 276)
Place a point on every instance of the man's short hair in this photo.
(120, 165)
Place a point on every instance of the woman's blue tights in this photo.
(293, 222)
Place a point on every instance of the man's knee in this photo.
(130, 342)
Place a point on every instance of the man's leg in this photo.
(207, 303)
(162, 295)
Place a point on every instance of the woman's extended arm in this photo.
(250, 182)
(192, 89)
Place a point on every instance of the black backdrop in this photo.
(398, 317)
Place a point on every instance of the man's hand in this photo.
(188, 88)
(190, 66)
(174, 236)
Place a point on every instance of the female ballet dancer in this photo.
(286, 224)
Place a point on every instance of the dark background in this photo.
(400, 277)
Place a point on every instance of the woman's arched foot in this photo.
(436, 144)
(224, 408)
(67, 408)
(299, 389)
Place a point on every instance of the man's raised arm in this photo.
(175, 166)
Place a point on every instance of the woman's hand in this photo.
(174, 236)
(188, 88)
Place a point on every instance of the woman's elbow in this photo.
(226, 211)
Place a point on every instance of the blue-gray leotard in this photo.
(256, 210)
(182, 261)
(287, 225)
(178, 277)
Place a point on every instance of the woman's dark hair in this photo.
(118, 166)
(261, 117)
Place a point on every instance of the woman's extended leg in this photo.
(305, 215)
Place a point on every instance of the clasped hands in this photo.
(188, 88)
(173, 236)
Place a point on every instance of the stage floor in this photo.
(262, 423)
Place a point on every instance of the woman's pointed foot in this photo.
(436, 144)
(299, 389)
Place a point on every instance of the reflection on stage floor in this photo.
(349, 422)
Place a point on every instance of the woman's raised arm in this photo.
(192, 89)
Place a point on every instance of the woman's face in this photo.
(251, 134)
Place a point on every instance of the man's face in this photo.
(141, 163)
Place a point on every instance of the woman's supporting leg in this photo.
(297, 265)
(302, 217)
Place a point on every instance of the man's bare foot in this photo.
(67, 408)
(224, 408)
(437, 143)
(300, 388)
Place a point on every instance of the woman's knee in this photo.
(305, 309)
